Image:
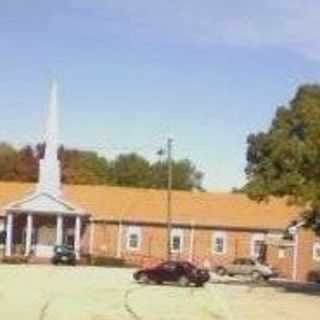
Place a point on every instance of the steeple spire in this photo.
(50, 171)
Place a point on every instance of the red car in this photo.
(182, 273)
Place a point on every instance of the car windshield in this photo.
(189, 265)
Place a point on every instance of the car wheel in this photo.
(143, 278)
(199, 284)
(221, 271)
(257, 276)
(183, 281)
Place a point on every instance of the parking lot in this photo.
(80, 293)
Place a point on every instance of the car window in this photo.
(248, 262)
(168, 266)
(188, 265)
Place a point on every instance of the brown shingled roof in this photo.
(220, 209)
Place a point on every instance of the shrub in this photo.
(15, 260)
(106, 261)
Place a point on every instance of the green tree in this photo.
(83, 167)
(8, 158)
(26, 165)
(87, 167)
(185, 175)
(285, 160)
(131, 170)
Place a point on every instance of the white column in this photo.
(119, 248)
(77, 237)
(9, 234)
(191, 242)
(59, 241)
(29, 234)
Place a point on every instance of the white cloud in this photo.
(288, 24)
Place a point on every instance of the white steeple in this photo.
(50, 170)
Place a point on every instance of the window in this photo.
(133, 238)
(176, 240)
(257, 245)
(168, 266)
(316, 251)
(219, 243)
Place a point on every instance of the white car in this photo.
(247, 267)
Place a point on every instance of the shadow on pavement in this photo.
(280, 285)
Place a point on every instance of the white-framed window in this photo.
(176, 240)
(134, 238)
(258, 241)
(316, 251)
(219, 242)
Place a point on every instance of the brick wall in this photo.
(281, 258)
(154, 247)
(306, 263)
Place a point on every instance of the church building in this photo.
(209, 229)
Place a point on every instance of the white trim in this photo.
(29, 231)
(177, 233)
(192, 239)
(295, 257)
(77, 236)
(315, 251)
(256, 237)
(59, 230)
(9, 231)
(69, 208)
(119, 243)
(134, 231)
(219, 235)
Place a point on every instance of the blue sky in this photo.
(130, 73)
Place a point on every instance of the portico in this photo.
(43, 219)
(33, 233)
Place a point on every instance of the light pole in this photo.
(169, 197)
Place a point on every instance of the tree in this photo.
(8, 158)
(26, 166)
(131, 170)
(87, 167)
(185, 175)
(285, 160)
(83, 167)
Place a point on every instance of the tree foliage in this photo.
(87, 167)
(285, 160)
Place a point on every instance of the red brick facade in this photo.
(113, 211)
(306, 261)
(197, 246)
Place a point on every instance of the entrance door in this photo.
(45, 242)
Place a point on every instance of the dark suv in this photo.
(183, 273)
(64, 255)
